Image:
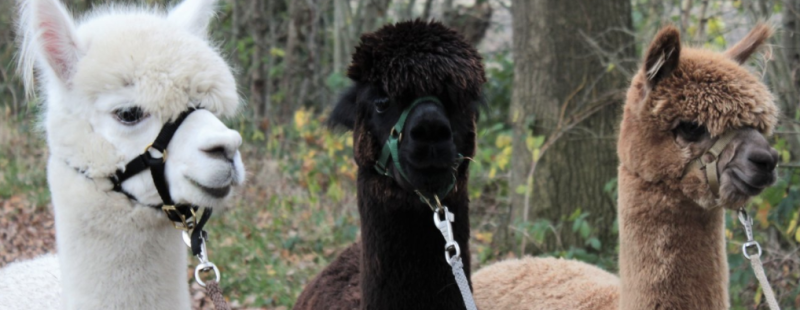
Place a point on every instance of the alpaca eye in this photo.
(381, 105)
(129, 115)
(691, 131)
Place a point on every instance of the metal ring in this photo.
(163, 153)
(749, 244)
(451, 259)
(205, 267)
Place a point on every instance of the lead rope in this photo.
(443, 219)
(755, 260)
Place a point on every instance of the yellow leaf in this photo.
(277, 52)
(757, 297)
(793, 223)
(761, 216)
(610, 67)
(502, 141)
(529, 142)
(300, 118)
(483, 236)
(786, 156)
(257, 136)
(492, 172)
(502, 161)
(715, 25)
(797, 236)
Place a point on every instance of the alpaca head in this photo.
(112, 80)
(413, 62)
(682, 101)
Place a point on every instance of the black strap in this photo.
(157, 165)
(198, 233)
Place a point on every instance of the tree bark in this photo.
(558, 78)
(471, 21)
(790, 63)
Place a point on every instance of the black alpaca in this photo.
(400, 262)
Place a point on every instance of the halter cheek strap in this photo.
(710, 166)
(155, 164)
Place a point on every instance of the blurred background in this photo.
(544, 178)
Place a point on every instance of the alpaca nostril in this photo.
(217, 152)
(431, 132)
(223, 146)
(764, 160)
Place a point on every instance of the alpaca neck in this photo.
(402, 262)
(114, 253)
(672, 251)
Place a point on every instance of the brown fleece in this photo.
(672, 243)
(560, 284)
(336, 287)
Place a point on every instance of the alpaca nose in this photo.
(223, 145)
(764, 159)
(429, 125)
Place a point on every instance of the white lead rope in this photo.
(446, 227)
(755, 260)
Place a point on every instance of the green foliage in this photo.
(22, 161)
(593, 251)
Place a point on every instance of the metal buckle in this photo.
(186, 224)
(394, 133)
(163, 154)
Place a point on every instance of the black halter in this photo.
(182, 215)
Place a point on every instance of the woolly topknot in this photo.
(416, 58)
(715, 92)
(713, 89)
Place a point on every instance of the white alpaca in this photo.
(111, 82)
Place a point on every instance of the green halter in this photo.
(390, 150)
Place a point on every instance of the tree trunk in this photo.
(471, 21)
(558, 78)
(790, 63)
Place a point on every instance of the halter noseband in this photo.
(390, 153)
(711, 166)
(182, 215)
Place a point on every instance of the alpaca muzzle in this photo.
(390, 158)
(708, 161)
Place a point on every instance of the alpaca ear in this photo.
(750, 44)
(663, 55)
(49, 35)
(344, 113)
(194, 15)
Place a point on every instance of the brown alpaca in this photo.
(672, 242)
